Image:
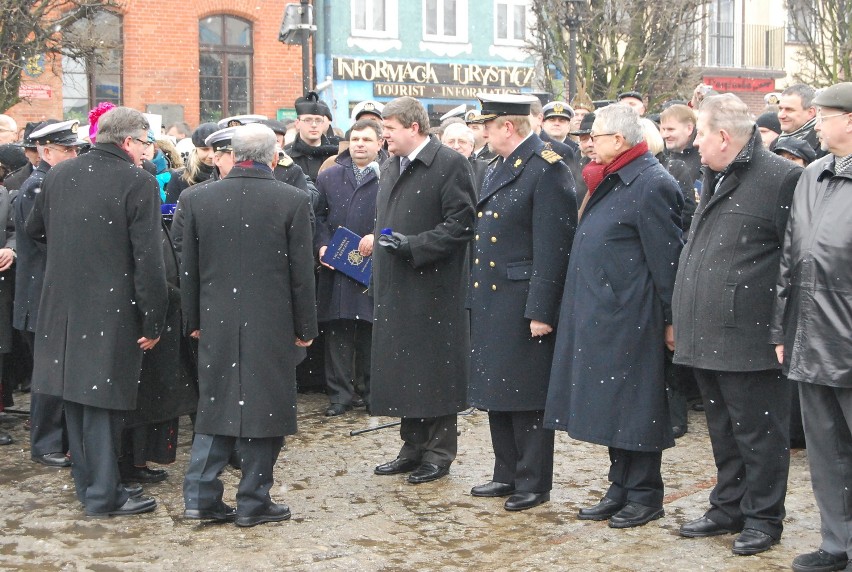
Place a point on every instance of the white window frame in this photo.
(461, 24)
(510, 22)
(391, 30)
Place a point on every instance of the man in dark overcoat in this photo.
(607, 383)
(247, 294)
(347, 198)
(526, 216)
(103, 301)
(7, 273)
(722, 308)
(56, 142)
(421, 334)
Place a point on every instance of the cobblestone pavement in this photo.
(346, 518)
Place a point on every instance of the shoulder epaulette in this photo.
(285, 161)
(550, 156)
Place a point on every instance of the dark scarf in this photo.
(325, 148)
(254, 165)
(594, 173)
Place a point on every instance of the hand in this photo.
(538, 329)
(147, 344)
(779, 353)
(7, 257)
(321, 254)
(669, 336)
(303, 343)
(195, 334)
(365, 247)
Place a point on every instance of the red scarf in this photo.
(594, 173)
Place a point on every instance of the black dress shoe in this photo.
(134, 492)
(493, 489)
(143, 475)
(704, 527)
(273, 513)
(679, 431)
(52, 460)
(5, 439)
(336, 409)
(427, 472)
(134, 505)
(819, 561)
(601, 511)
(522, 500)
(635, 514)
(698, 406)
(223, 513)
(397, 466)
(358, 403)
(751, 541)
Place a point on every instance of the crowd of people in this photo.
(577, 267)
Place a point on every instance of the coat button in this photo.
(476, 284)
(491, 264)
(496, 215)
(477, 237)
(493, 239)
(479, 214)
(493, 286)
(476, 261)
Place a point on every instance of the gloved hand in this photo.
(395, 243)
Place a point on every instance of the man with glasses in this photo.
(811, 324)
(312, 146)
(55, 142)
(104, 299)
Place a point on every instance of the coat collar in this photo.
(627, 175)
(248, 173)
(114, 150)
(730, 174)
(390, 168)
(826, 166)
(511, 168)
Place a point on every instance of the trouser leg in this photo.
(258, 462)
(430, 440)
(534, 446)
(640, 478)
(202, 488)
(48, 434)
(827, 419)
(339, 360)
(94, 453)
(503, 443)
(363, 349)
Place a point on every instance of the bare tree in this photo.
(649, 46)
(824, 30)
(30, 28)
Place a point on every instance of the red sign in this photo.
(35, 91)
(758, 84)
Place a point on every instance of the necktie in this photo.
(403, 163)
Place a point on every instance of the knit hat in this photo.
(96, 114)
(769, 120)
(12, 157)
(202, 132)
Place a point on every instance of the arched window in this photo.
(91, 66)
(225, 67)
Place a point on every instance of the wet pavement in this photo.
(347, 518)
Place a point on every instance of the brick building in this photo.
(192, 60)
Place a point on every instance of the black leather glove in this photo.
(396, 244)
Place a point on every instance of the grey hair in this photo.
(7, 122)
(119, 123)
(459, 129)
(407, 111)
(805, 92)
(620, 119)
(727, 112)
(254, 142)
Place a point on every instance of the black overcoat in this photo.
(607, 385)
(421, 332)
(343, 202)
(248, 284)
(7, 277)
(526, 217)
(29, 266)
(104, 281)
(725, 288)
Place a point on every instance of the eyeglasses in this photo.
(63, 149)
(821, 117)
(145, 144)
(594, 136)
(313, 121)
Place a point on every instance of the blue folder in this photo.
(342, 255)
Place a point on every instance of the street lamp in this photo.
(573, 18)
(297, 28)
